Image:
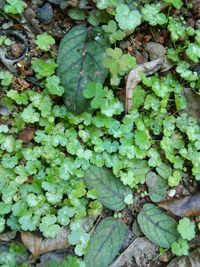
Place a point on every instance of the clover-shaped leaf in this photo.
(97, 92)
(186, 228)
(114, 34)
(176, 3)
(127, 19)
(44, 41)
(118, 64)
(64, 214)
(48, 226)
(151, 13)
(53, 85)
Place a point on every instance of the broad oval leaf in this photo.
(80, 57)
(157, 226)
(106, 242)
(111, 191)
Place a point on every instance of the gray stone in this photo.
(45, 13)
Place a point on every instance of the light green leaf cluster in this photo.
(5, 41)
(43, 68)
(53, 86)
(14, 6)
(183, 69)
(44, 41)
(6, 78)
(126, 18)
(79, 237)
(176, 3)
(118, 64)
(113, 33)
(97, 92)
(177, 30)
(186, 228)
(42, 185)
(48, 226)
(151, 13)
(103, 99)
(180, 248)
(103, 4)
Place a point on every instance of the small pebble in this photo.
(7, 25)
(45, 14)
(171, 192)
(165, 257)
(4, 110)
(16, 50)
(29, 13)
(197, 69)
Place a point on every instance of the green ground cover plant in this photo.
(88, 154)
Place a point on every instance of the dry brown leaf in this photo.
(38, 245)
(8, 236)
(26, 135)
(193, 108)
(141, 249)
(134, 78)
(192, 260)
(156, 50)
(188, 206)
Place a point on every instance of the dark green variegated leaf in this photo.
(111, 191)
(157, 226)
(80, 57)
(106, 242)
(157, 187)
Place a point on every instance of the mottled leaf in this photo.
(80, 57)
(157, 187)
(157, 226)
(111, 191)
(188, 206)
(105, 242)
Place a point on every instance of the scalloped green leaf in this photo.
(80, 57)
(111, 191)
(157, 226)
(106, 242)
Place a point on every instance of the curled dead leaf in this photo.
(156, 50)
(188, 206)
(193, 108)
(26, 135)
(141, 249)
(8, 236)
(134, 78)
(38, 245)
(192, 260)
